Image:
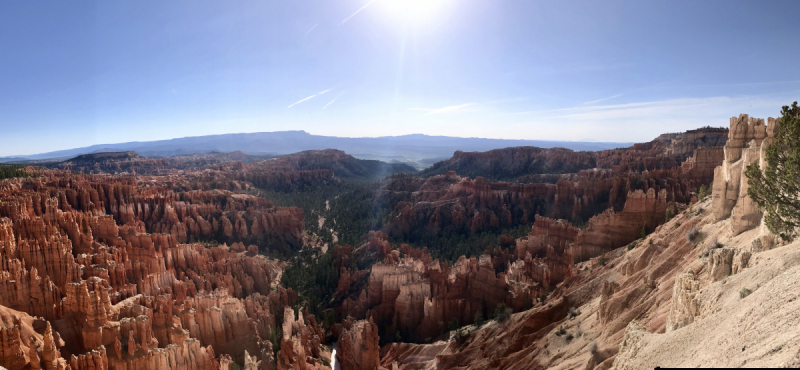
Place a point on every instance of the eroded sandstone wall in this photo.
(100, 263)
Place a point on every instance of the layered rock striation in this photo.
(103, 267)
(676, 166)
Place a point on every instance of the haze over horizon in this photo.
(75, 74)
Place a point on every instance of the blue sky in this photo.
(76, 73)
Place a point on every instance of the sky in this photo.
(78, 73)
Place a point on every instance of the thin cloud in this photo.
(603, 99)
(302, 100)
(312, 28)
(334, 99)
(449, 108)
(616, 122)
(357, 11)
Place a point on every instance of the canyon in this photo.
(119, 261)
(673, 167)
(705, 289)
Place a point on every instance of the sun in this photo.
(412, 11)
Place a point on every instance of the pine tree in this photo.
(776, 190)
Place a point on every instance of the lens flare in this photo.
(412, 11)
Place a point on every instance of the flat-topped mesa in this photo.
(748, 139)
(682, 145)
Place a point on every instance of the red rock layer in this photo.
(300, 341)
(449, 203)
(636, 284)
(610, 230)
(358, 346)
(100, 260)
(418, 298)
(665, 152)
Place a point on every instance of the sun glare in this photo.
(412, 11)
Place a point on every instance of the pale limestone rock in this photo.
(741, 261)
(720, 263)
(724, 262)
(630, 346)
(747, 142)
(685, 301)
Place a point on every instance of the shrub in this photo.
(561, 331)
(757, 245)
(602, 261)
(593, 348)
(501, 312)
(569, 337)
(669, 215)
(650, 242)
(461, 336)
(713, 244)
(704, 192)
(677, 224)
(527, 304)
(744, 293)
(454, 324)
(479, 318)
(573, 312)
(644, 231)
(692, 234)
(543, 297)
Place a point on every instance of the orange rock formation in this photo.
(98, 262)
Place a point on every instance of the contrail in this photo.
(603, 99)
(312, 28)
(302, 100)
(334, 99)
(357, 11)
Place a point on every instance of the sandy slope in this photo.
(760, 330)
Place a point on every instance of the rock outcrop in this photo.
(415, 296)
(748, 139)
(724, 262)
(610, 230)
(358, 346)
(685, 301)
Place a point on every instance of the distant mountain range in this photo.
(417, 149)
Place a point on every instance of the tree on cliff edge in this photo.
(777, 189)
